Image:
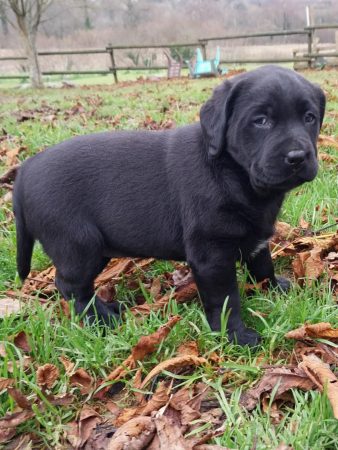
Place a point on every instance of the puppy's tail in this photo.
(24, 242)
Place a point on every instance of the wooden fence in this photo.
(307, 32)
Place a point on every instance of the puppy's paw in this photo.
(244, 336)
(104, 313)
(282, 283)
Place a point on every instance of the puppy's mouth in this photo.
(263, 183)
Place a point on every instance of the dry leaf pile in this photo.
(310, 369)
(312, 254)
(163, 419)
(184, 418)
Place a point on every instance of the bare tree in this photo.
(3, 19)
(28, 14)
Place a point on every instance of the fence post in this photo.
(309, 46)
(204, 49)
(110, 50)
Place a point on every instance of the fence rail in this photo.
(255, 35)
(110, 50)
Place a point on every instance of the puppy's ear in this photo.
(214, 116)
(322, 103)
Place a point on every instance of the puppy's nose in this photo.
(295, 157)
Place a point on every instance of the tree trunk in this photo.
(29, 41)
(3, 19)
(33, 62)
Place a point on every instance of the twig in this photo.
(331, 225)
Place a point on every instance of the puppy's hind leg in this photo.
(78, 260)
(81, 288)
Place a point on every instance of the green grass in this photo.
(309, 424)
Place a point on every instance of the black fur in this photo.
(208, 193)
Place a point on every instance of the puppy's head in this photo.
(268, 120)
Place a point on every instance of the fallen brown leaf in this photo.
(137, 381)
(72, 434)
(42, 283)
(133, 435)
(83, 380)
(155, 288)
(206, 437)
(321, 375)
(283, 231)
(159, 399)
(61, 399)
(304, 224)
(121, 266)
(188, 348)
(127, 414)
(147, 344)
(21, 442)
(174, 364)
(20, 399)
(12, 157)
(169, 434)
(182, 276)
(21, 341)
(15, 419)
(24, 363)
(323, 242)
(6, 382)
(214, 416)
(79, 432)
(308, 266)
(286, 379)
(47, 375)
(326, 157)
(186, 291)
(114, 269)
(272, 409)
(325, 352)
(6, 434)
(327, 141)
(65, 308)
(89, 418)
(67, 364)
(322, 330)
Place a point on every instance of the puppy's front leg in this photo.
(215, 275)
(260, 267)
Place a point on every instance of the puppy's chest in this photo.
(258, 234)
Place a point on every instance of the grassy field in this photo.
(32, 120)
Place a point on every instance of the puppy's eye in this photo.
(262, 122)
(309, 118)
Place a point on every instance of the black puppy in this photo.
(207, 193)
